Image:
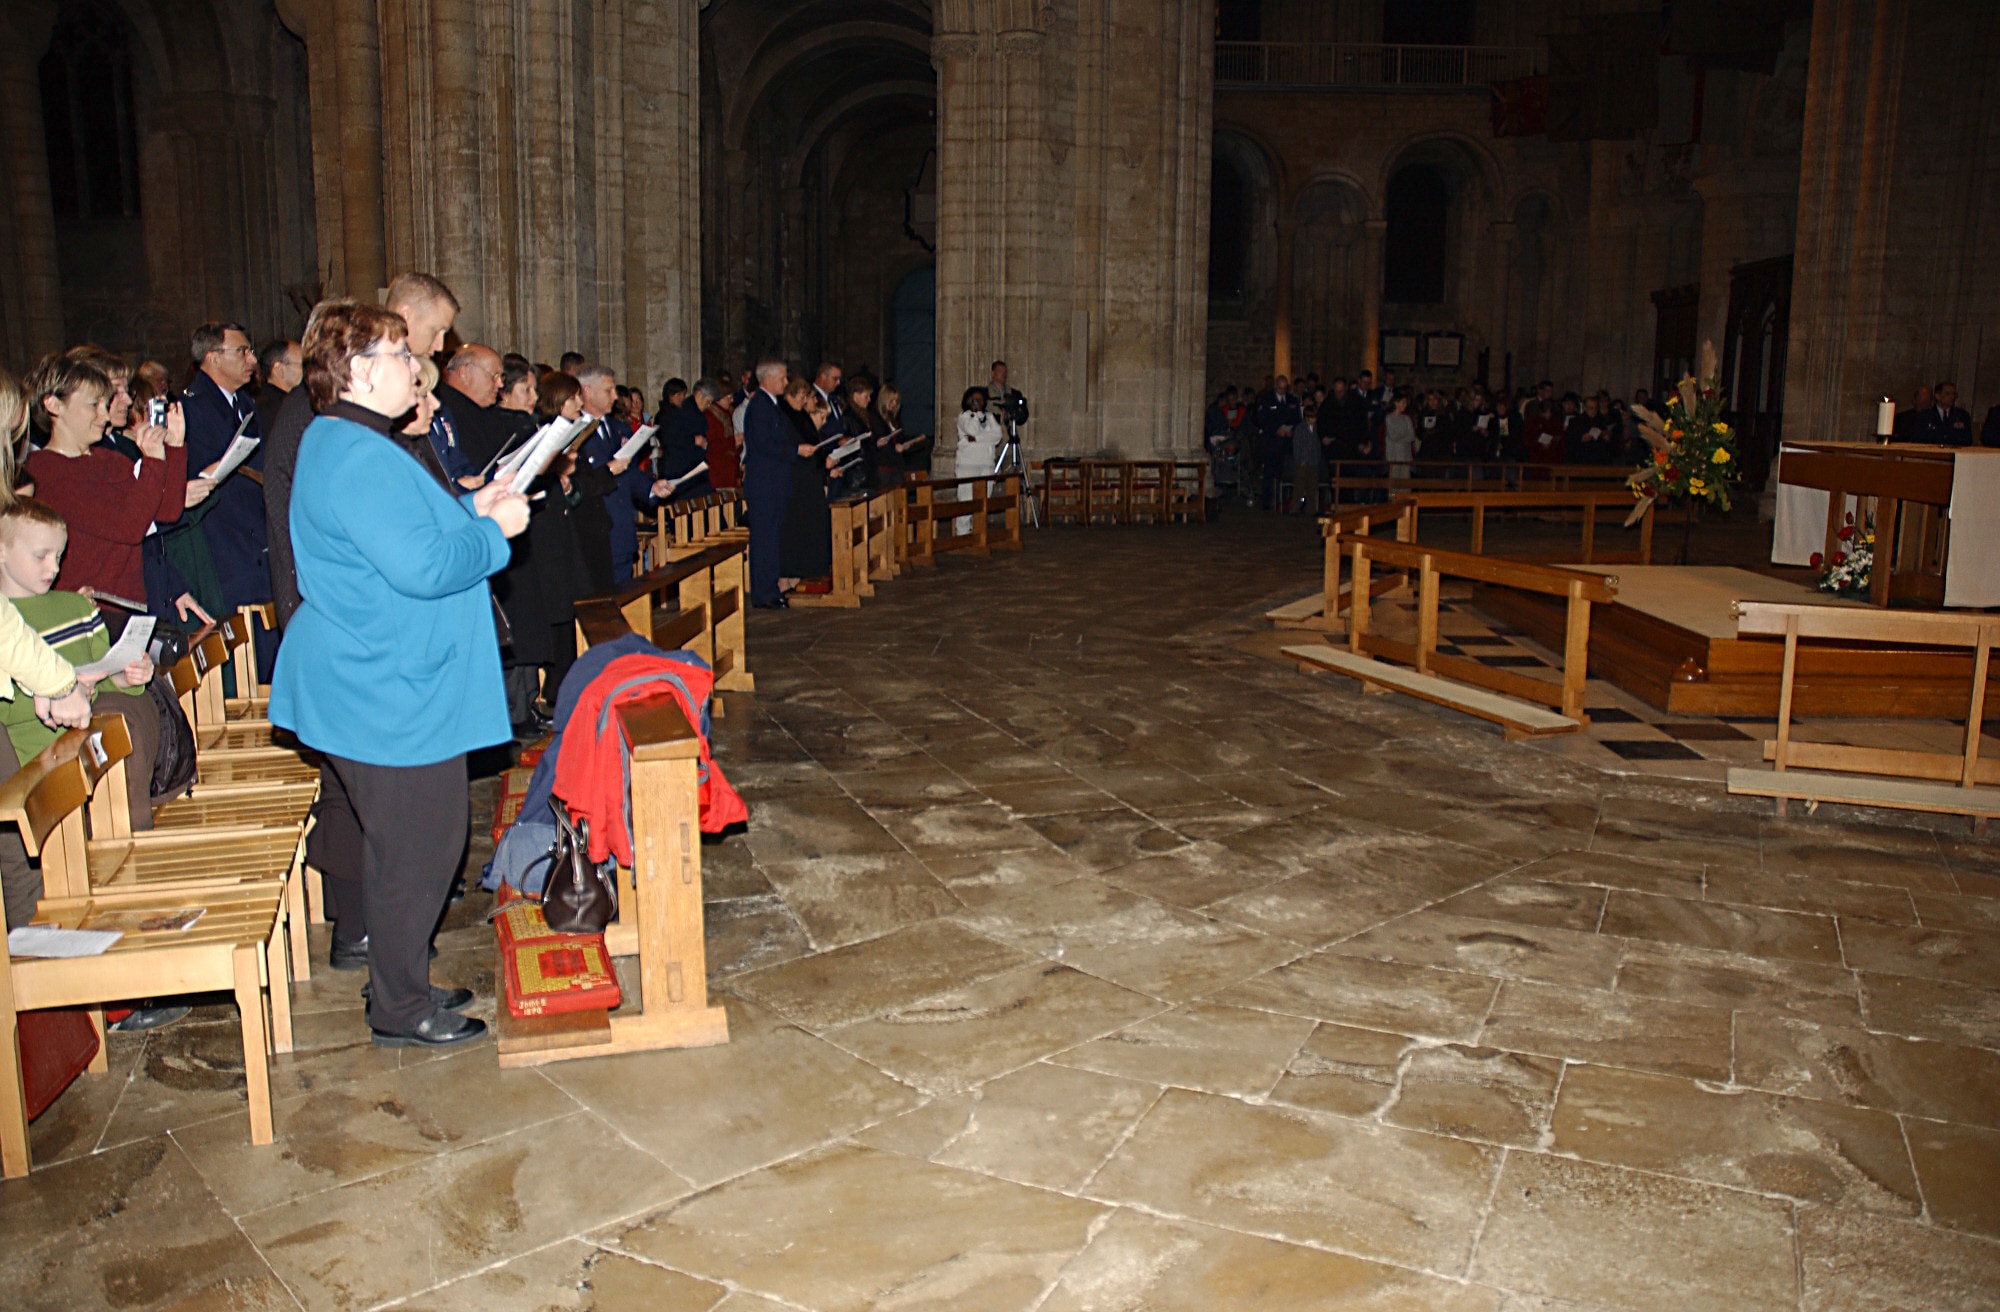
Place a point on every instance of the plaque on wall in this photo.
(1444, 350)
(1399, 350)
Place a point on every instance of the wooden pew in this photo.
(1953, 783)
(930, 516)
(660, 917)
(230, 949)
(695, 600)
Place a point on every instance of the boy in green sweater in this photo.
(32, 540)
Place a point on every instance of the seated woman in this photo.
(390, 666)
(110, 504)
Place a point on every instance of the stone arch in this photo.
(1255, 167)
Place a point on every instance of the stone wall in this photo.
(530, 154)
(1072, 214)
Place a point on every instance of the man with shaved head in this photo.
(470, 386)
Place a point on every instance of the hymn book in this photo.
(639, 439)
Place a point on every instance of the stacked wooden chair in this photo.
(232, 850)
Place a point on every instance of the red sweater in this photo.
(109, 512)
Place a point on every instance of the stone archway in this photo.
(1330, 273)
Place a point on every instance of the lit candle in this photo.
(1885, 418)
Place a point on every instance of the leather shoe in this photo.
(349, 956)
(449, 999)
(779, 604)
(354, 956)
(440, 1029)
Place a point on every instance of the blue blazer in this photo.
(770, 443)
(392, 657)
(232, 519)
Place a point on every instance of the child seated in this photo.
(32, 540)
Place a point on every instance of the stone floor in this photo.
(1080, 957)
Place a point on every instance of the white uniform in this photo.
(979, 441)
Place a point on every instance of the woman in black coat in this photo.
(546, 577)
(805, 544)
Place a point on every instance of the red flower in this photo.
(1672, 474)
(1816, 560)
(1846, 532)
(1840, 557)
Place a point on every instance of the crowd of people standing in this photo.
(1278, 446)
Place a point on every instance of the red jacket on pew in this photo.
(593, 769)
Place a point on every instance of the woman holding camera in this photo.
(391, 666)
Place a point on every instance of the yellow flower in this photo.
(1721, 456)
(1696, 486)
(1722, 429)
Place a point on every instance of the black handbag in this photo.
(581, 896)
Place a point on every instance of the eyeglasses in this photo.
(400, 353)
(236, 350)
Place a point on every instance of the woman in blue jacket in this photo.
(391, 666)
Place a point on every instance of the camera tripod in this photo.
(1009, 462)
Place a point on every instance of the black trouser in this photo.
(413, 824)
(335, 850)
(769, 493)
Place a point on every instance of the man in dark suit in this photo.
(463, 434)
(231, 517)
(769, 447)
(1944, 423)
(1276, 415)
(632, 479)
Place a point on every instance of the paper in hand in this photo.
(239, 451)
(690, 476)
(535, 457)
(846, 449)
(131, 645)
(639, 439)
(48, 941)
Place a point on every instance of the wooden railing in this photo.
(1433, 563)
(1348, 480)
(694, 601)
(931, 517)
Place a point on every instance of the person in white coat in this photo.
(980, 438)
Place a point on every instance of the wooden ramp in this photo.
(1518, 718)
(1812, 786)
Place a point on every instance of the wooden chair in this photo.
(228, 949)
(1146, 491)
(238, 635)
(1062, 492)
(1104, 492)
(94, 851)
(1187, 495)
(231, 766)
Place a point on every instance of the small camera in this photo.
(156, 412)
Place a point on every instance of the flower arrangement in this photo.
(1693, 457)
(1850, 571)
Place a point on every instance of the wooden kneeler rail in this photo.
(1953, 783)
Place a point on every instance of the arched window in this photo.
(1228, 231)
(1418, 209)
(87, 118)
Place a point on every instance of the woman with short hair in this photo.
(390, 666)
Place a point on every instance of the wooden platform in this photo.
(1670, 639)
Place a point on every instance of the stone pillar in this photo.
(351, 207)
(1896, 280)
(1281, 297)
(1376, 230)
(31, 316)
(1073, 149)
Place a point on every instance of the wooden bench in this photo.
(868, 545)
(660, 917)
(1518, 719)
(239, 944)
(929, 517)
(694, 601)
(1953, 783)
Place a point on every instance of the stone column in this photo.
(352, 207)
(31, 316)
(1374, 233)
(1896, 280)
(1281, 297)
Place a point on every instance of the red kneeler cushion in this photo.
(56, 1047)
(543, 973)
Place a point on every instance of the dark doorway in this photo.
(1228, 231)
(1414, 255)
(1239, 20)
(1753, 357)
(1676, 325)
(1427, 22)
(914, 362)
